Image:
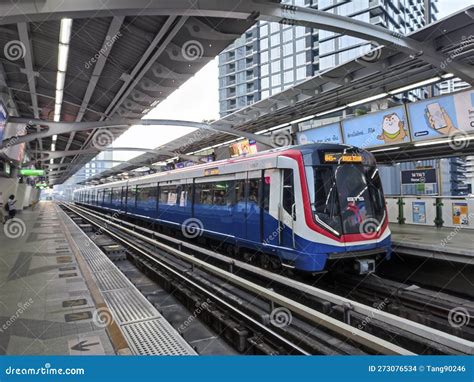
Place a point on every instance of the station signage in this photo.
(31, 172)
(419, 176)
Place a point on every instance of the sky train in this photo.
(311, 207)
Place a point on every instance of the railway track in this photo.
(321, 322)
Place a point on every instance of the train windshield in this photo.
(345, 196)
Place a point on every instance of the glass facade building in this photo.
(271, 57)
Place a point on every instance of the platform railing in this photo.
(436, 211)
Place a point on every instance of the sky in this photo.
(197, 99)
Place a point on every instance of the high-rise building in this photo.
(452, 85)
(271, 57)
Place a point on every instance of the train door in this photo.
(123, 203)
(270, 201)
(239, 213)
(287, 210)
(253, 207)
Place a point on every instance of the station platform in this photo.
(60, 295)
(448, 244)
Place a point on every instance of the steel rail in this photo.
(459, 344)
(365, 339)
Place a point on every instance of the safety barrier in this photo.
(436, 211)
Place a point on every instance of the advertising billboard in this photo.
(442, 116)
(381, 128)
(324, 134)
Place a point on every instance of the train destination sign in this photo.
(417, 176)
(342, 158)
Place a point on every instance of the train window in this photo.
(131, 195)
(240, 191)
(116, 195)
(326, 202)
(253, 193)
(168, 195)
(204, 193)
(288, 191)
(186, 197)
(220, 194)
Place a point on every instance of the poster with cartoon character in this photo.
(386, 127)
(442, 116)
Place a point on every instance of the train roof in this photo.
(306, 150)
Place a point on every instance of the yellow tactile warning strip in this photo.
(115, 334)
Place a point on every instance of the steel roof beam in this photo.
(56, 128)
(261, 10)
(28, 70)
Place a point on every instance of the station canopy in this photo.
(121, 64)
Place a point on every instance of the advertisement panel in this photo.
(419, 212)
(324, 134)
(442, 116)
(244, 147)
(460, 213)
(382, 128)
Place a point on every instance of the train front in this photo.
(348, 206)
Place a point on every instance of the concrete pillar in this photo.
(8, 186)
(20, 195)
(27, 200)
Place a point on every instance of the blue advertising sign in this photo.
(3, 120)
(325, 134)
(442, 117)
(386, 127)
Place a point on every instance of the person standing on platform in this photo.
(11, 205)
